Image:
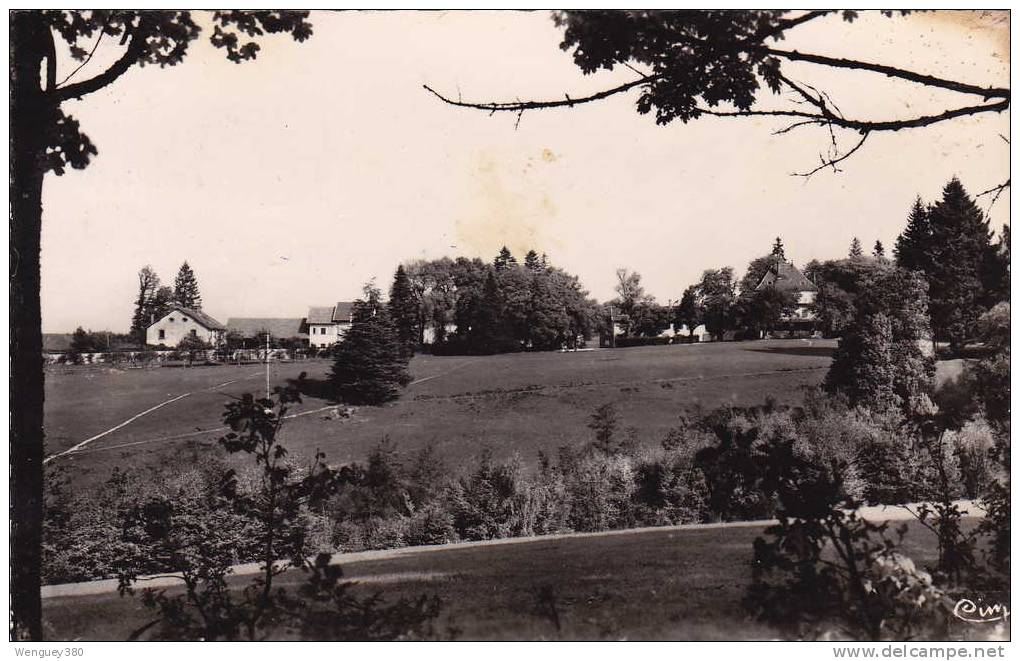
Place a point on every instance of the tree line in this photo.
(475, 307)
(946, 256)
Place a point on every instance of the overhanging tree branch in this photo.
(135, 49)
(521, 106)
(892, 72)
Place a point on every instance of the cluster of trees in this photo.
(154, 298)
(639, 313)
(722, 303)
(950, 245)
(497, 307)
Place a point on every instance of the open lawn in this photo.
(510, 403)
(678, 583)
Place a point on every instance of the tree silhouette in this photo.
(148, 285)
(856, 251)
(960, 244)
(913, 246)
(404, 311)
(693, 63)
(186, 288)
(44, 138)
(879, 250)
(778, 250)
(504, 259)
(533, 261)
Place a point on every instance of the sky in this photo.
(292, 180)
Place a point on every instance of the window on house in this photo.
(162, 334)
(194, 333)
(184, 318)
(171, 318)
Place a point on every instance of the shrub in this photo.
(432, 524)
(601, 490)
(823, 571)
(669, 488)
(972, 447)
(489, 503)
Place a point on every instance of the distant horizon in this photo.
(738, 273)
(282, 191)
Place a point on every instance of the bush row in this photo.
(723, 466)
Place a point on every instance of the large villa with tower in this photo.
(785, 277)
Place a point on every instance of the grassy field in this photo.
(662, 583)
(510, 403)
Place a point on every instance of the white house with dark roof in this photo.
(784, 276)
(328, 325)
(180, 322)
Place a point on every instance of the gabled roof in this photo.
(342, 312)
(279, 327)
(199, 316)
(320, 315)
(338, 314)
(784, 276)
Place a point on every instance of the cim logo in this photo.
(968, 611)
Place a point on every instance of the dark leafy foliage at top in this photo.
(710, 56)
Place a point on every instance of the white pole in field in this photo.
(267, 365)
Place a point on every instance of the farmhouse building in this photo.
(785, 277)
(181, 322)
(328, 325)
(255, 329)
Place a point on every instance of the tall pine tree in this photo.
(403, 309)
(533, 261)
(913, 246)
(370, 365)
(488, 329)
(856, 252)
(186, 288)
(504, 259)
(879, 250)
(960, 244)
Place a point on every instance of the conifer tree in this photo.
(403, 311)
(879, 250)
(504, 259)
(370, 365)
(878, 362)
(960, 243)
(913, 246)
(856, 251)
(533, 261)
(186, 288)
(488, 334)
(778, 250)
(995, 277)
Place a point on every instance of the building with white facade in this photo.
(180, 322)
(785, 277)
(328, 325)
